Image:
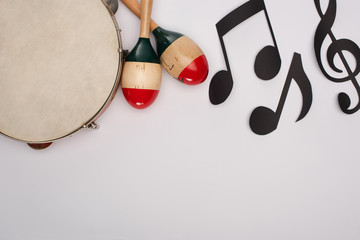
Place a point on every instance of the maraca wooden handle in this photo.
(134, 6)
(145, 16)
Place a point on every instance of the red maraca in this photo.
(179, 55)
(141, 76)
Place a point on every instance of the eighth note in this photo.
(267, 62)
(264, 120)
(336, 48)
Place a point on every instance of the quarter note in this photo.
(263, 120)
(267, 63)
(336, 48)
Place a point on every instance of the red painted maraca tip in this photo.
(140, 98)
(196, 72)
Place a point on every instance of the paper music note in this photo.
(264, 120)
(336, 48)
(267, 62)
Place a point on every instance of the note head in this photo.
(263, 120)
(344, 102)
(220, 87)
(267, 63)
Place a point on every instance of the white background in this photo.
(186, 169)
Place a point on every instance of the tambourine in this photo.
(60, 66)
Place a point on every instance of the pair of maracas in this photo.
(179, 55)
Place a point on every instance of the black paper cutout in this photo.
(263, 120)
(336, 47)
(267, 62)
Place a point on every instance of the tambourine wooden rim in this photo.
(89, 123)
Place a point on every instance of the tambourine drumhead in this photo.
(59, 66)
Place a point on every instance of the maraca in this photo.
(141, 76)
(179, 55)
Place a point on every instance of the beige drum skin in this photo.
(60, 66)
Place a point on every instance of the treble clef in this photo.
(336, 48)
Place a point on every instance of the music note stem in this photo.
(270, 27)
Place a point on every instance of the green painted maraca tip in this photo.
(164, 39)
(143, 52)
